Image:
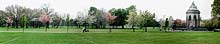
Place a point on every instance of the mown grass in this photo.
(72, 30)
(111, 38)
(153, 36)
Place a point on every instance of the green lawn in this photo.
(73, 30)
(122, 37)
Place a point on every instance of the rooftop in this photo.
(193, 9)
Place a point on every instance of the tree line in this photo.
(22, 17)
(19, 16)
(116, 17)
(214, 22)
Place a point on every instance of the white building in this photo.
(193, 17)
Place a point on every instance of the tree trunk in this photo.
(110, 30)
(23, 29)
(85, 27)
(0, 24)
(26, 25)
(78, 26)
(45, 27)
(57, 26)
(145, 28)
(16, 24)
(67, 28)
(122, 26)
(133, 28)
(96, 26)
(165, 29)
(8, 27)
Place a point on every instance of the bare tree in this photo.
(17, 11)
(46, 8)
(56, 19)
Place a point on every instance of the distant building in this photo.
(193, 17)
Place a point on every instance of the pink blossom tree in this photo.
(45, 19)
(9, 21)
(110, 19)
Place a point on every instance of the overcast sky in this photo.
(175, 8)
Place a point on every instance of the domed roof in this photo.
(193, 9)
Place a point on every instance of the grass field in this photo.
(126, 37)
(72, 30)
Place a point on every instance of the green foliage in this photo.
(96, 17)
(1, 19)
(216, 22)
(139, 21)
(144, 19)
(112, 10)
(132, 8)
(92, 10)
(68, 20)
(24, 20)
(2, 15)
(131, 18)
(207, 23)
(92, 16)
(132, 15)
(121, 16)
(215, 8)
(147, 19)
(215, 12)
